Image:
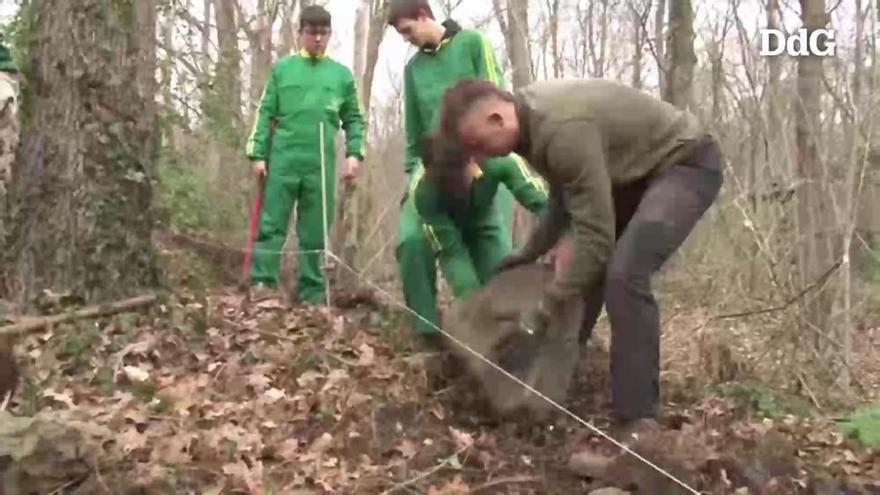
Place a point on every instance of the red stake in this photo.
(253, 228)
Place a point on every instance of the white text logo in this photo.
(820, 42)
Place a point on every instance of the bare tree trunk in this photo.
(660, 44)
(590, 45)
(558, 68)
(288, 38)
(356, 201)
(814, 247)
(206, 36)
(603, 40)
(773, 67)
(148, 86)
(260, 40)
(639, 19)
(518, 47)
(376, 32)
(361, 30)
(681, 54)
(227, 81)
(165, 66)
(516, 34)
(81, 190)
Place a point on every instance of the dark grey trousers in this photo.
(654, 217)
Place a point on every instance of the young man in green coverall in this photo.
(307, 95)
(460, 220)
(447, 53)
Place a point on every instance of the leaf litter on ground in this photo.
(215, 395)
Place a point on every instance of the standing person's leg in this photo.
(417, 266)
(488, 242)
(279, 194)
(310, 230)
(673, 203)
(626, 201)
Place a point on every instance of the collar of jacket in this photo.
(452, 28)
(524, 117)
(305, 54)
(475, 170)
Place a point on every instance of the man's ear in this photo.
(426, 148)
(495, 118)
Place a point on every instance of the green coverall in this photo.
(471, 242)
(305, 97)
(429, 73)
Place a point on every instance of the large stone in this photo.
(490, 322)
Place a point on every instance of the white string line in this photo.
(517, 380)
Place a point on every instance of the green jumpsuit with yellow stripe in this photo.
(469, 238)
(428, 74)
(307, 98)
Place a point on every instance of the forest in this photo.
(134, 358)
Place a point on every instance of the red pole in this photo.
(256, 209)
(253, 228)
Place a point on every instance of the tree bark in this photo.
(516, 35)
(660, 44)
(227, 78)
(518, 38)
(260, 41)
(82, 191)
(376, 32)
(815, 255)
(288, 37)
(680, 67)
(206, 36)
(147, 85)
(558, 68)
(639, 18)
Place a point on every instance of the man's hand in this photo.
(512, 260)
(561, 254)
(259, 169)
(352, 166)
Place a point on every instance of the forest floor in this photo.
(210, 393)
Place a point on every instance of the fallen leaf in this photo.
(136, 374)
(357, 399)
(321, 444)
(273, 303)
(289, 449)
(136, 417)
(307, 378)
(455, 487)
(131, 440)
(462, 440)
(367, 355)
(438, 412)
(65, 398)
(259, 381)
(273, 395)
(407, 449)
(334, 378)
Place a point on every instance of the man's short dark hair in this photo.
(462, 96)
(314, 16)
(408, 9)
